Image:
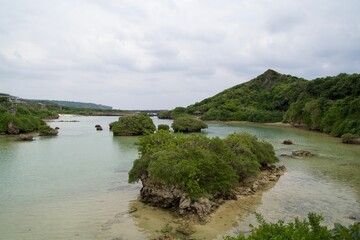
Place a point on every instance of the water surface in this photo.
(74, 186)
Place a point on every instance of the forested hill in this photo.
(71, 104)
(330, 104)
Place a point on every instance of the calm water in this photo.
(74, 186)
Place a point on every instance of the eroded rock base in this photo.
(170, 197)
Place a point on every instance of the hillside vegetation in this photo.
(56, 104)
(330, 104)
(22, 118)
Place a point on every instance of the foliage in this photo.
(173, 114)
(188, 124)
(133, 125)
(300, 230)
(23, 119)
(55, 104)
(47, 131)
(330, 104)
(341, 232)
(163, 127)
(263, 99)
(199, 165)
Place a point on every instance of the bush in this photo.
(163, 127)
(196, 164)
(349, 138)
(304, 230)
(188, 124)
(133, 125)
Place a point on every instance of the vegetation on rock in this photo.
(350, 138)
(199, 165)
(187, 124)
(163, 127)
(47, 131)
(132, 125)
(306, 230)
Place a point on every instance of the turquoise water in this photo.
(74, 186)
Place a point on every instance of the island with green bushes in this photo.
(133, 125)
(193, 174)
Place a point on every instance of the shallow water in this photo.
(74, 186)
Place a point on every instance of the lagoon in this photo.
(74, 186)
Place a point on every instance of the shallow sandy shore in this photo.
(158, 223)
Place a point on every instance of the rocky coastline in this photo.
(178, 202)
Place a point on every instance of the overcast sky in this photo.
(142, 54)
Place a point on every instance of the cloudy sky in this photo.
(158, 54)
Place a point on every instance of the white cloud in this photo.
(160, 54)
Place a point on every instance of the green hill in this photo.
(330, 104)
(70, 104)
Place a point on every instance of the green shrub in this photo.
(199, 165)
(300, 230)
(349, 138)
(133, 125)
(163, 127)
(188, 124)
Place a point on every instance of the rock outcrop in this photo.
(98, 127)
(48, 132)
(157, 194)
(302, 153)
(12, 128)
(24, 137)
(287, 142)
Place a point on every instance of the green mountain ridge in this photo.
(330, 104)
(70, 104)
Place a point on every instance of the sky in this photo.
(159, 54)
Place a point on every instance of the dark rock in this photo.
(302, 153)
(98, 127)
(24, 137)
(287, 142)
(157, 194)
(287, 155)
(57, 128)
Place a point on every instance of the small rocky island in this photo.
(132, 125)
(193, 175)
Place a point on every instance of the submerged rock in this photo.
(98, 127)
(350, 138)
(302, 153)
(287, 142)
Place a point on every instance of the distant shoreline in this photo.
(278, 124)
